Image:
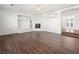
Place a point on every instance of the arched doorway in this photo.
(70, 22)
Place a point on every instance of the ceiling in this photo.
(34, 8)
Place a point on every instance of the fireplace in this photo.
(37, 25)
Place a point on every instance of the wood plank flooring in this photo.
(38, 43)
(75, 33)
(70, 34)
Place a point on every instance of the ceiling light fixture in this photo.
(39, 8)
(53, 15)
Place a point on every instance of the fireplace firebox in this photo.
(37, 25)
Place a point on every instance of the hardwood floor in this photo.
(70, 34)
(75, 33)
(38, 43)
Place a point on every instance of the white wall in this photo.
(47, 24)
(9, 23)
(53, 24)
(42, 20)
(23, 24)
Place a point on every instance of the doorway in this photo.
(70, 22)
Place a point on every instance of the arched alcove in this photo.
(70, 21)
